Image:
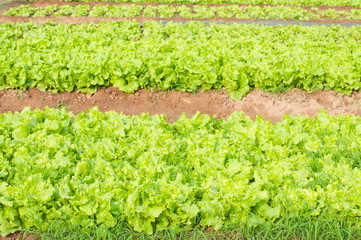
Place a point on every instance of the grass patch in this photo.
(286, 228)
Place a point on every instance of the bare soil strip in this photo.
(173, 103)
(21, 236)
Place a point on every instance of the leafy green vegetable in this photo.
(80, 11)
(22, 11)
(185, 12)
(46, 11)
(98, 11)
(353, 3)
(61, 57)
(123, 11)
(150, 11)
(64, 10)
(133, 10)
(167, 11)
(95, 169)
(204, 11)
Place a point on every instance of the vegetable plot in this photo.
(61, 57)
(168, 11)
(353, 3)
(97, 169)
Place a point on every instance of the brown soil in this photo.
(20, 236)
(173, 103)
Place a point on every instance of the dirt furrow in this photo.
(217, 103)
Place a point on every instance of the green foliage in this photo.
(150, 11)
(97, 169)
(353, 3)
(198, 11)
(133, 11)
(81, 11)
(64, 10)
(185, 12)
(98, 10)
(115, 11)
(165, 11)
(204, 11)
(123, 11)
(286, 228)
(190, 57)
(46, 11)
(23, 10)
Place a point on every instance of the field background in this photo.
(221, 156)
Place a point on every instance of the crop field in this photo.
(180, 119)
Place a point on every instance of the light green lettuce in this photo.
(97, 169)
